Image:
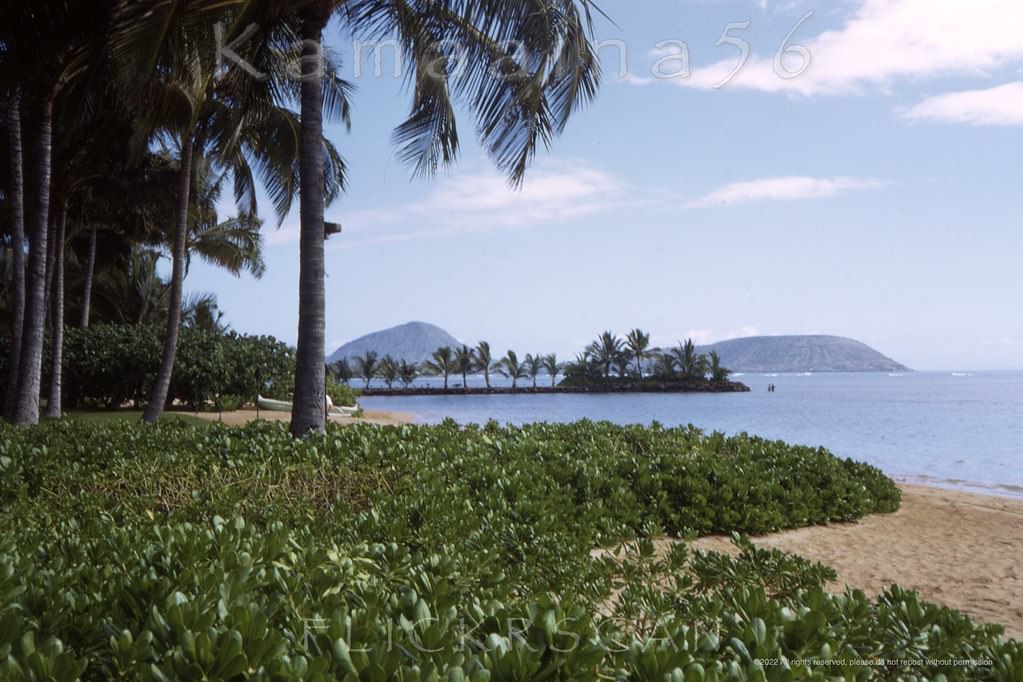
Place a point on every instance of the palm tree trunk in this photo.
(90, 269)
(51, 259)
(26, 407)
(54, 405)
(158, 397)
(17, 200)
(307, 405)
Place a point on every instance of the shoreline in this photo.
(960, 549)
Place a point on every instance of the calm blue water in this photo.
(938, 428)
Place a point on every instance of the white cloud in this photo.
(883, 41)
(703, 337)
(1001, 105)
(790, 188)
(484, 202)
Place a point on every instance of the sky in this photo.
(753, 167)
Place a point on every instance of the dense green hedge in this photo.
(107, 365)
(437, 553)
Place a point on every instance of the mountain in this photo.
(816, 353)
(413, 342)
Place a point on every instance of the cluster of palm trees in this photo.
(126, 116)
(631, 357)
(447, 362)
(608, 358)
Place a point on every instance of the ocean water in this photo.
(961, 430)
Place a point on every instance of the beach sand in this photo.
(239, 417)
(959, 549)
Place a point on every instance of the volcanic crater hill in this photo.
(413, 342)
(801, 353)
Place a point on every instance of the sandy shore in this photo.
(239, 417)
(958, 549)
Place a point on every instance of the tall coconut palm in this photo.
(367, 365)
(484, 361)
(465, 361)
(552, 367)
(519, 104)
(664, 366)
(717, 371)
(388, 371)
(533, 365)
(16, 199)
(407, 372)
(605, 350)
(638, 343)
(510, 367)
(690, 364)
(72, 36)
(174, 49)
(341, 370)
(54, 406)
(443, 363)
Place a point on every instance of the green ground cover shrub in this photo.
(439, 553)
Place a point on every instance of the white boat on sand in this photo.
(271, 405)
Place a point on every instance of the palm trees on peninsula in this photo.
(608, 360)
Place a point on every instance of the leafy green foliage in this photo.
(341, 393)
(106, 365)
(439, 553)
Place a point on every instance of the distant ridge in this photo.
(414, 342)
(809, 353)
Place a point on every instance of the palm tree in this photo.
(341, 370)
(16, 198)
(638, 343)
(622, 360)
(484, 361)
(367, 365)
(584, 366)
(388, 371)
(207, 131)
(510, 367)
(407, 372)
(174, 50)
(664, 366)
(465, 361)
(550, 364)
(72, 36)
(717, 372)
(605, 350)
(519, 104)
(533, 365)
(443, 363)
(200, 311)
(54, 406)
(690, 365)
